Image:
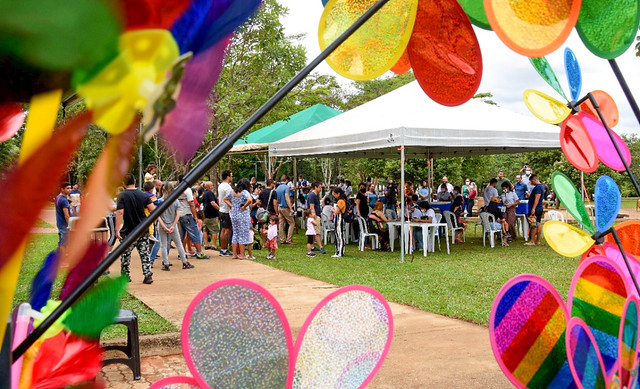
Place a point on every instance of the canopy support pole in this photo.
(401, 194)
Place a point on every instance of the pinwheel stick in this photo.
(624, 256)
(212, 157)
(625, 88)
(606, 126)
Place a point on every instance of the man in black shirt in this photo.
(211, 214)
(313, 200)
(268, 199)
(131, 205)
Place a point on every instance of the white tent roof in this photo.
(376, 130)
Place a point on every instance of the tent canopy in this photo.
(407, 116)
(259, 140)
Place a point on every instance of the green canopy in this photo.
(260, 139)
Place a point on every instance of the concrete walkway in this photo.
(428, 350)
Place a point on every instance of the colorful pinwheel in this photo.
(583, 137)
(11, 119)
(538, 341)
(235, 334)
(570, 241)
(434, 37)
(537, 28)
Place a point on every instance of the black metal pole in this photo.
(626, 260)
(606, 126)
(625, 88)
(190, 178)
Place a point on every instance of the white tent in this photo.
(408, 117)
(407, 123)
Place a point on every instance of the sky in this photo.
(506, 74)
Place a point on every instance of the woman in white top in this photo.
(510, 200)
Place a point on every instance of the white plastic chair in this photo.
(436, 231)
(556, 215)
(327, 228)
(364, 233)
(452, 222)
(488, 220)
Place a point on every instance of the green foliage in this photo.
(371, 89)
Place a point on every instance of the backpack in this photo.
(348, 215)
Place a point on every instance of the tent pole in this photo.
(269, 158)
(295, 192)
(401, 194)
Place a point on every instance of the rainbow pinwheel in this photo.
(583, 137)
(540, 342)
(570, 241)
(235, 334)
(537, 28)
(434, 37)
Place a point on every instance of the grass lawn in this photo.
(461, 285)
(37, 249)
(629, 202)
(43, 224)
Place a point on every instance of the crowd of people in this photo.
(235, 217)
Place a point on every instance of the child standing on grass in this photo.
(312, 223)
(272, 236)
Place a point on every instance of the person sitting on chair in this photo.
(422, 214)
(501, 223)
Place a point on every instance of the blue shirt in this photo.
(373, 198)
(281, 191)
(538, 189)
(520, 189)
(314, 201)
(61, 204)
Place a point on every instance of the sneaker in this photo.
(336, 256)
(187, 265)
(322, 251)
(249, 257)
(165, 268)
(315, 249)
(201, 256)
(148, 280)
(311, 254)
(226, 253)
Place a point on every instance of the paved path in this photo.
(428, 350)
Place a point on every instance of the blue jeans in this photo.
(417, 238)
(156, 246)
(62, 237)
(189, 226)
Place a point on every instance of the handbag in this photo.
(262, 214)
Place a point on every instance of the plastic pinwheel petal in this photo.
(475, 12)
(628, 342)
(584, 356)
(571, 200)
(607, 202)
(235, 334)
(597, 295)
(544, 69)
(444, 52)
(574, 75)
(81, 35)
(376, 46)
(604, 147)
(566, 239)
(185, 126)
(177, 382)
(629, 233)
(577, 145)
(527, 326)
(125, 85)
(94, 254)
(344, 340)
(42, 283)
(403, 65)
(607, 106)
(53, 157)
(145, 14)
(611, 251)
(608, 28)
(532, 28)
(207, 22)
(11, 119)
(545, 108)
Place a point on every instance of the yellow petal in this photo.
(566, 240)
(544, 107)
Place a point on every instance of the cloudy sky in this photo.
(506, 74)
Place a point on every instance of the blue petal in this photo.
(574, 74)
(607, 202)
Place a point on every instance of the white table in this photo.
(521, 218)
(392, 232)
(428, 235)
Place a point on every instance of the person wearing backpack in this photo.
(339, 211)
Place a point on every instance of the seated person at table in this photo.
(377, 225)
(458, 209)
(443, 193)
(326, 209)
(501, 223)
(422, 214)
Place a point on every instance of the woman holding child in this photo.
(239, 202)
